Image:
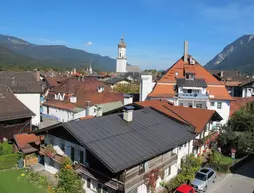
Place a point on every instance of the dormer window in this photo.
(189, 76)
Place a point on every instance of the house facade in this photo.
(78, 97)
(15, 117)
(248, 89)
(26, 87)
(188, 84)
(118, 152)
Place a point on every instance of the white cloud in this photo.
(89, 43)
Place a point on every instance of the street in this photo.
(241, 181)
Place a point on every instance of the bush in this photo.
(5, 148)
(189, 167)
(36, 178)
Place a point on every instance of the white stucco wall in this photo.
(64, 115)
(32, 101)
(247, 92)
(146, 86)
(223, 112)
(121, 64)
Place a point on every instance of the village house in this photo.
(78, 97)
(113, 82)
(117, 152)
(248, 88)
(26, 87)
(200, 119)
(15, 117)
(188, 84)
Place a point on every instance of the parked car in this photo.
(184, 188)
(203, 178)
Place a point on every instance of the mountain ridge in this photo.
(238, 55)
(60, 56)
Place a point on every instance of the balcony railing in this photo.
(102, 178)
(193, 95)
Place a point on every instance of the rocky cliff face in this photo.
(238, 55)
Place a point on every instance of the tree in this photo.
(127, 88)
(68, 181)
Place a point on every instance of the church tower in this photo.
(90, 71)
(121, 61)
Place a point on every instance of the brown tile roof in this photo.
(232, 83)
(20, 82)
(10, 107)
(84, 95)
(193, 116)
(162, 90)
(238, 103)
(54, 81)
(72, 84)
(24, 141)
(218, 93)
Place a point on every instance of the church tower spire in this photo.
(121, 61)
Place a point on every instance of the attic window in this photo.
(1, 96)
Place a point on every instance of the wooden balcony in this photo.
(58, 158)
(135, 178)
(99, 177)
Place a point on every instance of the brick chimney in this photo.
(185, 53)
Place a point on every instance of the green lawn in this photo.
(9, 183)
(8, 161)
(226, 160)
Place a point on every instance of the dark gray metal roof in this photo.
(182, 82)
(120, 145)
(10, 107)
(20, 82)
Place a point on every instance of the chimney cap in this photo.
(128, 108)
(127, 96)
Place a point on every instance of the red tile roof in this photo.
(238, 103)
(178, 70)
(193, 116)
(218, 93)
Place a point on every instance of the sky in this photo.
(154, 30)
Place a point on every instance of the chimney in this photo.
(221, 74)
(128, 99)
(128, 113)
(88, 108)
(185, 54)
(37, 75)
(99, 112)
(100, 89)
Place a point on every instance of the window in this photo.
(72, 153)
(190, 105)
(185, 145)
(189, 91)
(141, 168)
(50, 139)
(181, 104)
(51, 162)
(210, 175)
(47, 110)
(199, 106)
(180, 147)
(99, 188)
(219, 105)
(212, 104)
(62, 146)
(88, 183)
(167, 171)
(81, 155)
